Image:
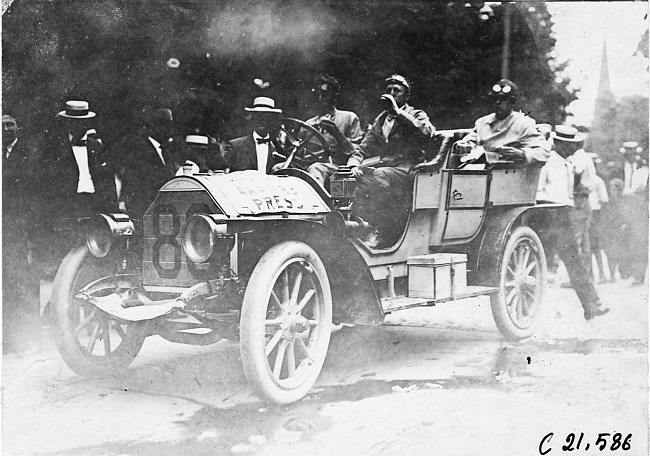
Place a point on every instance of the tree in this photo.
(121, 55)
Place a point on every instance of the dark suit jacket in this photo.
(61, 176)
(19, 195)
(143, 173)
(240, 154)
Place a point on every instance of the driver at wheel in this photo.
(398, 137)
(341, 129)
(510, 134)
(255, 151)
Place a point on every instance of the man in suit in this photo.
(399, 137)
(77, 180)
(146, 160)
(255, 151)
(21, 326)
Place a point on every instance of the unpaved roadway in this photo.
(439, 381)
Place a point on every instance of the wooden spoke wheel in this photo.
(90, 341)
(286, 322)
(522, 278)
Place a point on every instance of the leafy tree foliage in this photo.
(119, 55)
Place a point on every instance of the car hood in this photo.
(249, 193)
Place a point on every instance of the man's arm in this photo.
(417, 121)
(354, 132)
(370, 145)
(533, 143)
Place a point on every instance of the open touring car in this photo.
(275, 260)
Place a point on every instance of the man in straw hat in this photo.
(557, 186)
(78, 180)
(200, 154)
(255, 150)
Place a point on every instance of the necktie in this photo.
(263, 140)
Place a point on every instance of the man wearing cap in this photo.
(21, 327)
(509, 133)
(556, 186)
(255, 151)
(341, 129)
(146, 160)
(398, 137)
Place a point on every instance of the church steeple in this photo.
(604, 92)
(602, 131)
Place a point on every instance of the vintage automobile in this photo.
(274, 261)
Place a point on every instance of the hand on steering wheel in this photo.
(344, 144)
(299, 144)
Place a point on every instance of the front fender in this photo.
(354, 296)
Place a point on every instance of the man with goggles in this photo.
(398, 137)
(512, 135)
(341, 129)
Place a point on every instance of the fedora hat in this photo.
(567, 134)
(77, 109)
(264, 104)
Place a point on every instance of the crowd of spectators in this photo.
(46, 192)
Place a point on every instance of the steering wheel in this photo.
(300, 144)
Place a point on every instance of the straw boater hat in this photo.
(631, 146)
(77, 109)
(264, 104)
(196, 140)
(567, 134)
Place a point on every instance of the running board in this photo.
(404, 302)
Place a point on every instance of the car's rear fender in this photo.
(486, 251)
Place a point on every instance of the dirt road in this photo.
(438, 381)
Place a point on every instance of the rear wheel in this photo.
(90, 341)
(522, 277)
(286, 322)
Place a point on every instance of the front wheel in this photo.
(90, 341)
(522, 277)
(286, 322)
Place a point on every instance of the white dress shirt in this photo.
(156, 145)
(388, 126)
(556, 181)
(262, 152)
(85, 183)
(10, 147)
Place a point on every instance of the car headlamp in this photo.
(101, 231)
(200, 236)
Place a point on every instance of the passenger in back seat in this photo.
(398, 136)
(511, 134)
